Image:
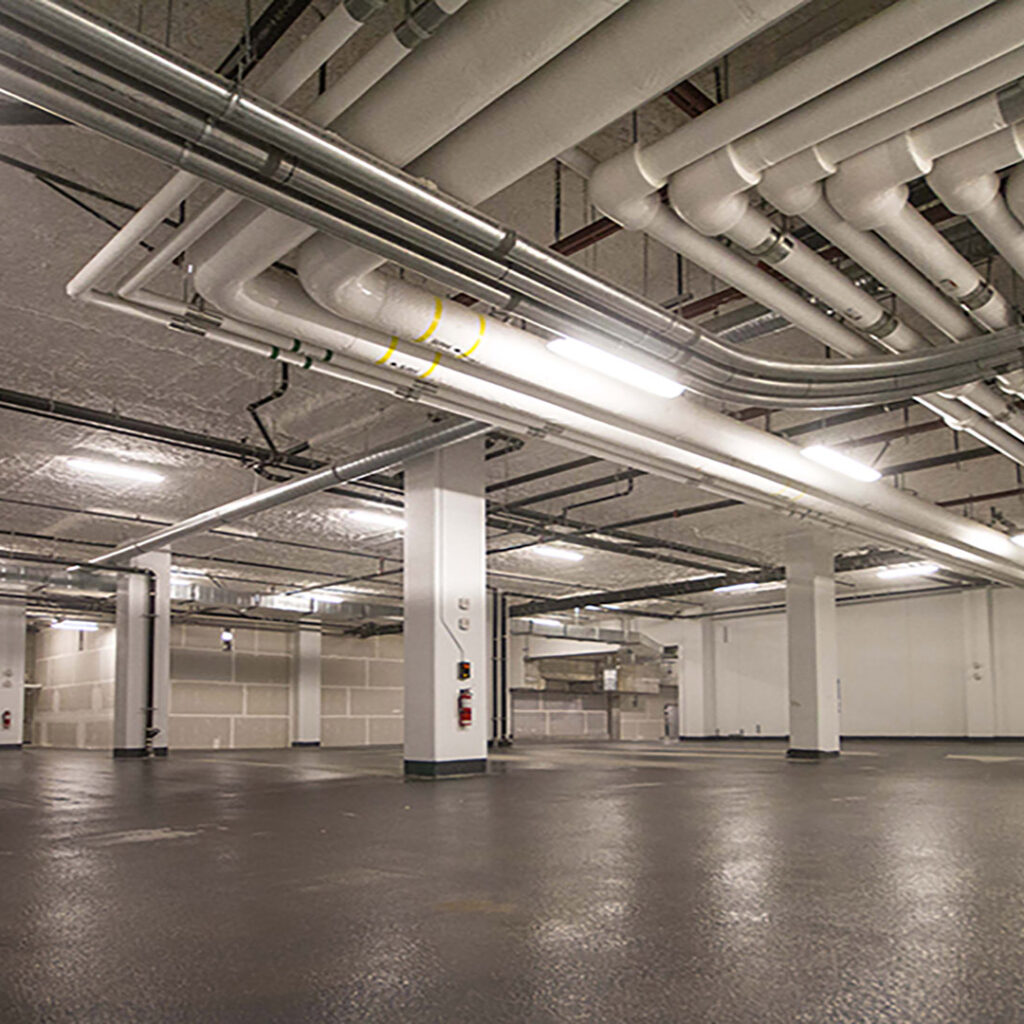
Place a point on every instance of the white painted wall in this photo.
(916, 666)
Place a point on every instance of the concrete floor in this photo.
(612, 882)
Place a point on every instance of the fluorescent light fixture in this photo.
(374, 518)
(81, 625)
(547, 622)
(120, 470)
(287, 602)
(911, 569)
(841, 463)
(549, 551)
(1018, 538)
(323, 596)
(739, 588)
(623, 370)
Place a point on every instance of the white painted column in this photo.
(306, 688)
(445, 615)
(12, 673)
(136, 624)
(979, 686)
(813, 653)
(698, 713)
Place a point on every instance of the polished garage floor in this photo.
(608, 882)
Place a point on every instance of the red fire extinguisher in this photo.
(6, 719)
(465, 707)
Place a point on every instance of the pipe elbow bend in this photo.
(1015, 193)
(619, 185)
(710, 195)
(963, 196)
(794, 186)
(868, 190)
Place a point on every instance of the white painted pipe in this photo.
(437, 87)
(966, 181)
(369, 69)
(328, 37)
(619, 66)
(709, 194)
(869, 191)
(946, 47)
(995, 83)
(753, 231)
(687, 442)
(1015, 194)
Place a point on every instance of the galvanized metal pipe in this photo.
(376, 461)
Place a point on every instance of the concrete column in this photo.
(813, 654)
(141, 683)
(979, 686)
(445, 617)
(12, 673)
(698, 711)
(306, 689)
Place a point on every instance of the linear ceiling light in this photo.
(120, 470)
(739, 588)
(623, 370)
(547, 622)
(82, 625)
(841, 463)
(911, 569)
(549, 551)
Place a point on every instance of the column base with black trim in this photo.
(796, 754)
(305, 743)
(445, 769)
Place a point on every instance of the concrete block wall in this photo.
(545, 714)
(362, 688)
(225, 700)
(642, 715)
(75, 706)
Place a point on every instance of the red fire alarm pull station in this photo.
(465, 707)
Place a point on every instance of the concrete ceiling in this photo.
(64, 351)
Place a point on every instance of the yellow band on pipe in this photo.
(438, 310)
(432, 367)
(480, 337)
(390, 352)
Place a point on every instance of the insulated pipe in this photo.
(752, 230)
(865, 248)
(966, 181)
(421, 24)
(752, 122)
(798, 394)
(378, 460)
(726, 456)
(328, 37)
(617, 67)
(610, 443)
(490, 47)
(997, 82)
(709, 194)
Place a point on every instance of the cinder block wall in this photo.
(361, 698)
(543, 714)
(222, 700)
(549, 714)
(75, 707)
